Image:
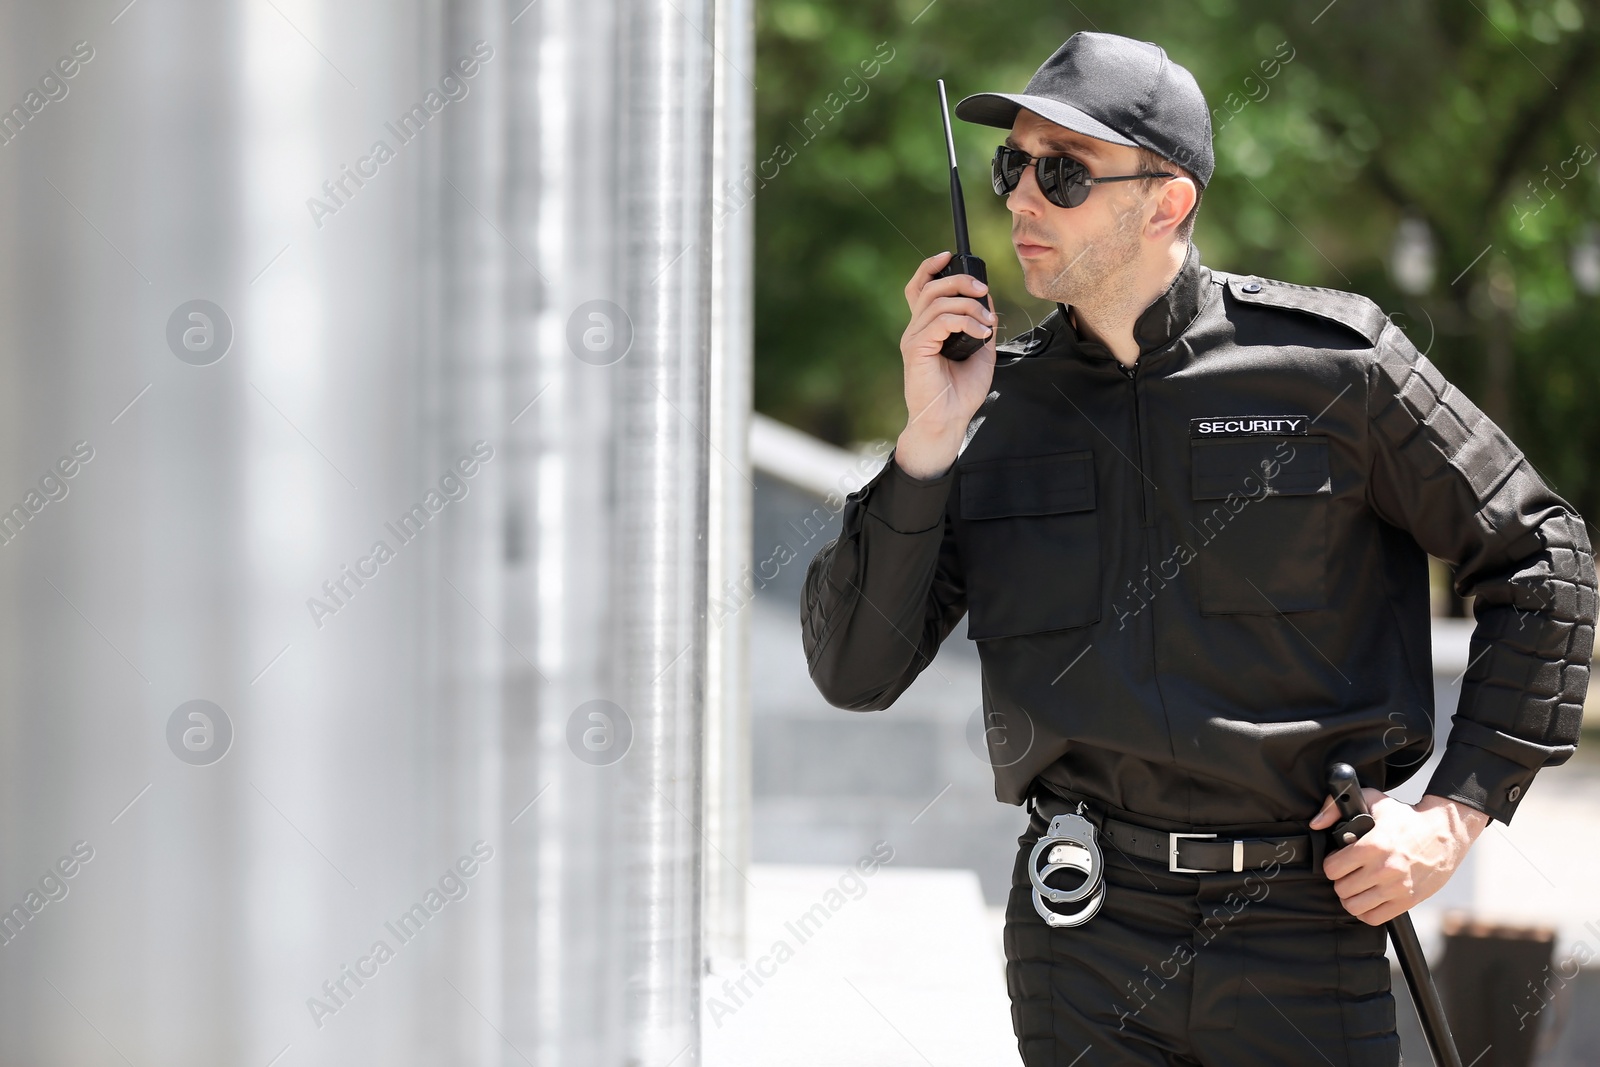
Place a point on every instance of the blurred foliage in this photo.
(1472, 117)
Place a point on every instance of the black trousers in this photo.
(1252, 969)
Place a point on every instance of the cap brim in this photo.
(1000, 109)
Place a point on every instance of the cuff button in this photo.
(1513, 793)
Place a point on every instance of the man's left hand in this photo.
(1408, 855)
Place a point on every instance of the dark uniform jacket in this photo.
(1195, 583)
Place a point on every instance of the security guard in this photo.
(1188, 516)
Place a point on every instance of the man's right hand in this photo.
(942, 394)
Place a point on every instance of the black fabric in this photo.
(1113, 89)
(1200, 655)
(1257, 969)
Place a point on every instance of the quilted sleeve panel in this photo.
(1444, 472)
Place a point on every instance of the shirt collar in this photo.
(1167, 317)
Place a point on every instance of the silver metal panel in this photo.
(731, 484)
(401, 765)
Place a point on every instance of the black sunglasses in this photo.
(1064, 181)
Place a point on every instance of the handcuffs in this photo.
(1071, 845)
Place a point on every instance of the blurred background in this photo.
(416, 418)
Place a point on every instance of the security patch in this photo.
(1246, 425)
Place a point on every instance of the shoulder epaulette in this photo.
(1350, 310)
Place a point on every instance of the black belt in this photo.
(1203, 851)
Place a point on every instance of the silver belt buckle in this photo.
(1172, 855)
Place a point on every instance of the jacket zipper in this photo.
(1132, 374)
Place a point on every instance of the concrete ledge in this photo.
(808, 463)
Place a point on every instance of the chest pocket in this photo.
(1261, 519)
(1030, 544)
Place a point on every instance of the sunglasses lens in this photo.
(1061, 179)
(1006, 169)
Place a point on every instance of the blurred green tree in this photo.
(1351, 138)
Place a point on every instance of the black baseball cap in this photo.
(1114, 89)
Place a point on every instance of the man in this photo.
(1188, 516)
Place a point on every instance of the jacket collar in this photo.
(1168, 316)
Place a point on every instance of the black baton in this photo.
(1356, 820)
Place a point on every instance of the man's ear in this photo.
(1173, 202)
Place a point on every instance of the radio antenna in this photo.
(959, 345)
(958, 206)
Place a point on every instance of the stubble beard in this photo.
(1097, 278)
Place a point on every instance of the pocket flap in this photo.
(1243, 465)
(1033, 485)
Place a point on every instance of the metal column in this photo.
(263, 348)
(727, 777)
